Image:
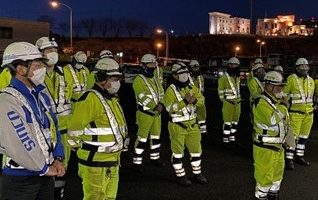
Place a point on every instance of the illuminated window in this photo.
(5, 32)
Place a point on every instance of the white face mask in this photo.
(53, 58)
(38, 76)
(78, 66)
(183, 77)
(114, 87)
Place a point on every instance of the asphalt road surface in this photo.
(229, 169)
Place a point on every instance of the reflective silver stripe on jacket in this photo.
(201, 84)
(235, 90)
(301, 98)
(63, 106)
(188, 112)
(79, 87)
(200, 81)
(39, 133)
(102, 131)
(119, 143)
(155, 96)
(259, 84)
(280, 128)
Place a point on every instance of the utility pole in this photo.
(251, 16)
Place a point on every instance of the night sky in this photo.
(182, 16)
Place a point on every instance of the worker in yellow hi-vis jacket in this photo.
(300, 91)
(230, 95)
(181, 100)
(99, 128)
(197, 79)
(271, 131)
(149, 93)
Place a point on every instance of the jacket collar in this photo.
(19, 85)
(273, 99)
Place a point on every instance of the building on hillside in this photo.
(222, 23)
(311, 24)
(282, 25)
(240, 25)
(16, 30)
(300, 30)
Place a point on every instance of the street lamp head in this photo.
(54, 4)
(237, 48)
(159, 31)
(159, 45)
(263, 43)
(258, 40)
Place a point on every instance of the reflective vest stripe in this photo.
(200, 82)
(63, 106)
(79, 87)
(155, 96)
(235, 90)
(114, 126)
(301, 98)
(188, 111)
(201, 85)
(259, 84)
(280, 128)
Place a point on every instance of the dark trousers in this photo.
(26, 188)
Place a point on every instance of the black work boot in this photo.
(301, 160)
(184, 181)
(199, 178)
(157, 163)
(289, 164)
(273, 196)
(137, 168)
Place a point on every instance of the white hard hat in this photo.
(257, 66)
(258, 61)
(106, 54)
(274, 78)
(279, 68)
(45, 42)
(234, 60)
(179, 68)
(301, 61)
(108, 66)
(80, 57)
(148, 58)
(194, 63)
(20, 51)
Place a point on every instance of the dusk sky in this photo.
(182, 16)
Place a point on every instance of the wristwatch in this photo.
(61, 159)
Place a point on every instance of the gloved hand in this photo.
(190, 99)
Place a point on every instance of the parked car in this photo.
(130, 71)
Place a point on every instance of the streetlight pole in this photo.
(237, 48)
(251, 17)
(55, 4)
(167, 45)
(159, 45)
(261, 43)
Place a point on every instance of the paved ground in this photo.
(229, 169)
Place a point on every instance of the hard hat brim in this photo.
(114, 74)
